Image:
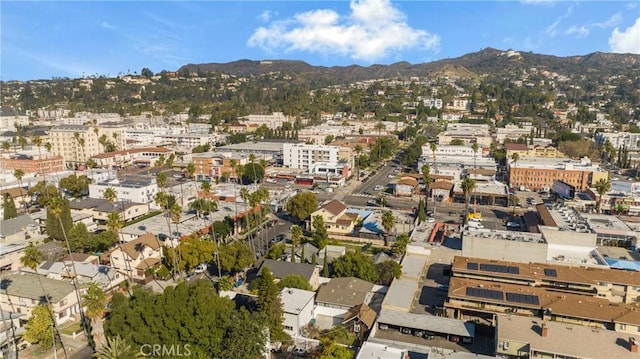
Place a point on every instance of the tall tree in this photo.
(95, 301)
(32, 258)
(270, 305)
(9, 207)
(355, 264)
(296, 236)
(428, 180)
(19, 175)
(320, 235)
(602, 187)
(468, 184)
(302, 205)
(388, 222)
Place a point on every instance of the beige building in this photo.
(336, 219)
(76, 144)
(537, 151)
(135, 257)
(23, 292)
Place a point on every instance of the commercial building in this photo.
(534, 151)
(146, 156)
(31, 165)
(305, 156)
(539, 173)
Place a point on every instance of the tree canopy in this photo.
(302, 205)
(187, 314)
(294, 281)
(355, 264)
(9, 207)
(75, 186)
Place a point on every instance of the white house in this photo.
(134, 258)
(298, 308)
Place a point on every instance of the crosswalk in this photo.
(364, 195)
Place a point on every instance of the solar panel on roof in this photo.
(472, 265)
(550, 273)
(523, 298)
(485, 293)
(499, 268)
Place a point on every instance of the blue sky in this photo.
(40, 40)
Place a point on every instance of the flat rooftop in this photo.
(534, 298)
(542, 271)
(131, 182)
(427, 322)
(585, 342)
(254, 146)
(499, 234)
(400, 295)
(492, 188)
(413, 266)
(566, 164)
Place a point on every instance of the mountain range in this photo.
(486, 61)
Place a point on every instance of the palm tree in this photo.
(233, 164)
(515, 157)
(117, 348)
(244, 194)
(115, 223)
(296, 237)
(56, 207)
(110, 195)
(468, 184)
(358, 151)
(428, 180)
(602, 187)
(95, 301)
(103, 141)
(379, 126)
(32, 258)
(6, 146)
(475, 148)
(48, 146)
(433, 147)
(388, 223)
(19, 174)
(240, 170)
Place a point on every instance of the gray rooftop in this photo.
(281, 269)
(86, 203)
(348, 291)
(413, 265)
(274, 147)
(293, 299)
(28, 286)
(400, 294)
(428, 322)
(585, 342)
(16, 225)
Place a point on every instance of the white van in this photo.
(474, 224)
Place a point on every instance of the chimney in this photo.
(633, 345)
(544, 330)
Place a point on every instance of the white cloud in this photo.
(106, 25)
(552, 30)
(267, 15)
(584, 30)
(373, 30)
(579, 31)
(626, 41)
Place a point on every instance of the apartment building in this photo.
(29, 165)
(619, 139)
(129, 189)
(10, 119)
(535, 151)
(23, 292)
(538, 173)
(213, 165)
(76, 144)
(304, 156)
(135, 156)
(273, 121)
(513, 132)
(467, 133)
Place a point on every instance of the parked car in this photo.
(372, 202)
(200, 268)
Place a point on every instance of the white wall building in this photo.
(127, 190)
(619, 139)
(305, 156)
(298, 306)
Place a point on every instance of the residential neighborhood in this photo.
(409, 216)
